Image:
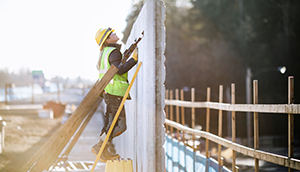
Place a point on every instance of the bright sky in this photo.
(57, 36)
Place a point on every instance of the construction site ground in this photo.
(26, 132)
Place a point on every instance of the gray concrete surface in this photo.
(144, 138)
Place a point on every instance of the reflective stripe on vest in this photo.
(118, 85)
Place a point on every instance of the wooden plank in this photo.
(182, 115)
(261, 108)
(84, 165)
(75, 138)
(265, 156)
(220, 124)
(177, 112)
(82, 127)
(233, 129)
(291, 120)
(72, 165)
(171, 113)
(63, 135)
(255, 118)
(167, 111)
(207, 122)
(193, 116)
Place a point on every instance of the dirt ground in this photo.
(24, 135)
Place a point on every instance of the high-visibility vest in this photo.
(119, 84)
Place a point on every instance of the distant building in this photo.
(38, 78)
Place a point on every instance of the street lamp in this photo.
(249, 75)
(281, 69)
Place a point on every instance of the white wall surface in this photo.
(144, 138)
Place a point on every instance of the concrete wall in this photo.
(145, 136)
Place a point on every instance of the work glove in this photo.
(135, 54)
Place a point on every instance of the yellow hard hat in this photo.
(101, 35)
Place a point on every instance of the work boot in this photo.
(111, 148)
(106, 155)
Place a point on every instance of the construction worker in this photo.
(114, 92)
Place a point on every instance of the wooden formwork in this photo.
(290, 109)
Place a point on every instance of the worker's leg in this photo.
(112, 108)
(108, 118)
(113, 103)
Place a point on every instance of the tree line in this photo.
(213, 42)
(20, 78)
(23, 77)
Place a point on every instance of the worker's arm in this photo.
(115, 58)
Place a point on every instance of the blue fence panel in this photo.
(181, 158)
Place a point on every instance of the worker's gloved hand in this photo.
(135, 54)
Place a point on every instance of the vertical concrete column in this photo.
(144, 138)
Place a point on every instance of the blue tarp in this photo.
(181, 158)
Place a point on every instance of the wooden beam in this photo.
(167, 111)
(177, 113)
(261, 108)
(182, 115)
(74, 140)
(82, 127)
(291, 120)
(256, 127)
(207, 122)
(193, 116)
(171, 114)
(233, 129)
(220, 124)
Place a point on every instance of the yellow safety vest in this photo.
(119, 84)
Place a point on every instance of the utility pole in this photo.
(32, 93)
(6, 86)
